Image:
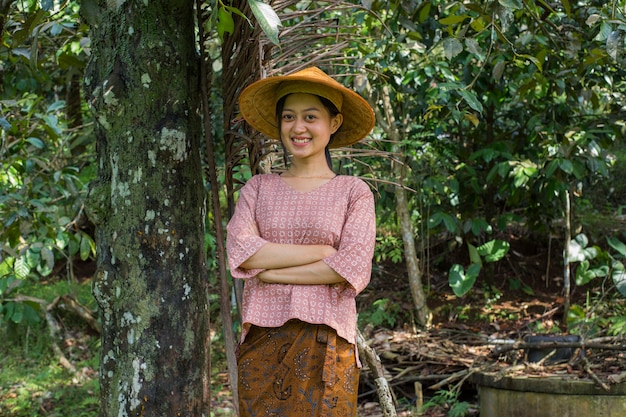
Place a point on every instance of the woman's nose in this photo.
(299, 125)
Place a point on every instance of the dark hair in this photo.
(332, 109)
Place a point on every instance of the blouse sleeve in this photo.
(353, 259)
(243, 238)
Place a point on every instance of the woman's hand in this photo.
(317, 273)
(278, 256)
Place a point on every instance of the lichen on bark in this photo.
(148, 205)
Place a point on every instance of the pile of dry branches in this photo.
(446, 358)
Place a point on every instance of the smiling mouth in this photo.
(300, 140)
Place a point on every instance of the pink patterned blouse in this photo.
(339, 213)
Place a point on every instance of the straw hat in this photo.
(258, 101)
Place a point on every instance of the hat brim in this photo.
(257, 104)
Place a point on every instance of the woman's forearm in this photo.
(316, 273)
(277, 255)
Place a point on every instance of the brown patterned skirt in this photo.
(299, 370)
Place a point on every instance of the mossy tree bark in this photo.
(148, 206)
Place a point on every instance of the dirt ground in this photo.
(510, 300)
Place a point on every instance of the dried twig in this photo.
(70, 304)
(454, 377)
(594, 376)
(507, 347)
(382, 386)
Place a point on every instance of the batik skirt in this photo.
(299, 370)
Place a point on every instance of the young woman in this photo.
(303, 240)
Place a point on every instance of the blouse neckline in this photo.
(314, 189)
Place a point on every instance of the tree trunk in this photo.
(422, 312)
(148, 206)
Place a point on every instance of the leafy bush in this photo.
(383, 312)
(46, 159)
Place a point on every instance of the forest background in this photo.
(497, 164)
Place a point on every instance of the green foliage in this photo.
(618, 271)
(45, 153)
(382, 312)
(448, 400)
(462, 280)
(482, 78)
(223, 21)
(267, 18)
(388, 247)
(594, 263)
(32, 382)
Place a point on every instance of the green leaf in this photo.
(471, 99)
(474, 47)
(36, 142)
(591, 252)
(425, 11)
(498, 70)
(6, 266)
(582, 273)
(47, 5)
(238, 13)
(582, 239)
(494, 250)
(21, 268)
(4, 124)
(566, 166)
(440, 217)
(477, 226)
(478, 24)
(85, 247)
(460, 281)
(267, 18)
(532, 59)
(617, 245)
(473, 254)
(576, 312)
(452, 47)
(48, 257)
(619, 277)
(575, 252)
(452, 20)
(225, 22)
(57, 105)
(551, 169)
(30, 312)
(22, 52)
(8, 309)
(18, 313)
(605, 32)
(585, 274)
(511, 4)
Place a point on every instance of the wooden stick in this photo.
(507, 347)
(594, 376)
(54, 329)
(70, 304)
(382, 386)
(451, 378)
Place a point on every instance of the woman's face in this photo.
(306, 125)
